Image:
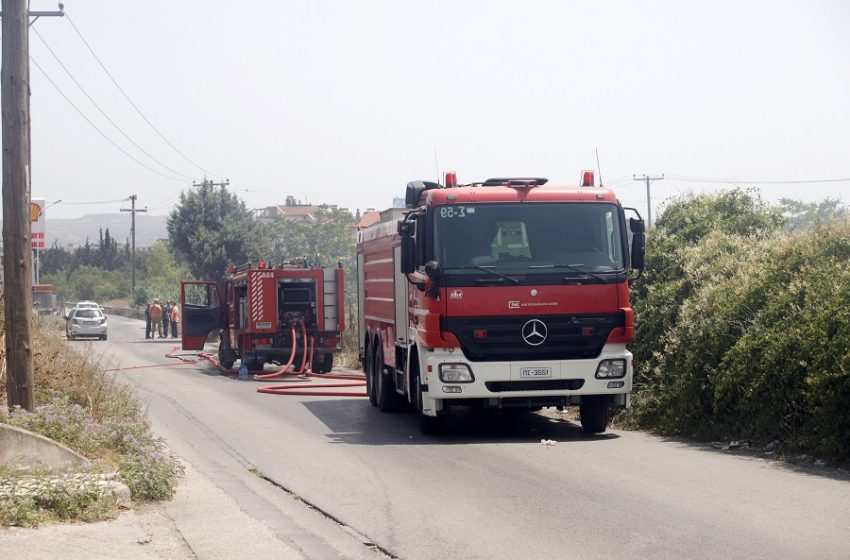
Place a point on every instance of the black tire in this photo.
(385, 394)
(254, 365)
(323, 363)
(368, 366)
(595, 412)
(428, 425)
(226, 358)
(103, 337)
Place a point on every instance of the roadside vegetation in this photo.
(743, 327)
(80, 406)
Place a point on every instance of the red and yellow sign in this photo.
(35, 211)
(37, 206)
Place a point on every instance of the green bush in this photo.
(743, 329)
(143, 461)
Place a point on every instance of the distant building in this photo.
(293, 210)
(369, 217)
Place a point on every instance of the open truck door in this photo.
(203, 312)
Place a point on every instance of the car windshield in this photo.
(88, 314)
(532, 237)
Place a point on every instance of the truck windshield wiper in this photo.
(574, 267)
(491, 271)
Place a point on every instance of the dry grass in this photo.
(59, 369)
(79, 405)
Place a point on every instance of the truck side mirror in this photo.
(405, 228)
(408, 255)
(636, 225)
(638, 249)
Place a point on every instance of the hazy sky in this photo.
(345, 101)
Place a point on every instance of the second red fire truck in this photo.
(499, 294)
(267, 314)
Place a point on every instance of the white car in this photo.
(86, 321)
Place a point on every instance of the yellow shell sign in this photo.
(35, 211)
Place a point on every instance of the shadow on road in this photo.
(355, 421)
(800, 464)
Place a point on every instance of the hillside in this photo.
(75, 231)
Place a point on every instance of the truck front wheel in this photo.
(428, 425)
(226, 358)
(595, 413)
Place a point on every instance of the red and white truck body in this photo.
(500, 294)
(261, 309)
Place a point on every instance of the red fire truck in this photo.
(267, 314)
(500, 294)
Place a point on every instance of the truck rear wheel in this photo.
(368, 366)
(254, 364)
(323, 363)
(388, 399)
(595, 413)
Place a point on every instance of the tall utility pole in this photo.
(133, 211)
(17, 242)
(17, 233)
(648, 180)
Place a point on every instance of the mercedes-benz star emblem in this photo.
(534, 332)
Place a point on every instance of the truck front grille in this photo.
(568, 337)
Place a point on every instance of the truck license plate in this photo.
(535, 372)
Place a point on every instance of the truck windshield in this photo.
(529, 237)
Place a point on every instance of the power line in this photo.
(108, 139)
(739, 181)
(92, 203)
(130, 101)
(102, 112)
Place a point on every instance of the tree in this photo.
(324, 242)
(210, 229)
(800, 215)
(160, 275)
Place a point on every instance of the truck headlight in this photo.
(608, 369)
(456, 373)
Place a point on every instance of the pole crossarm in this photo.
(35, 14)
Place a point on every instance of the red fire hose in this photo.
(304, 387)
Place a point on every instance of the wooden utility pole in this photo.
(648, 180)
(133, 211)
(17, 241)
(17, 236)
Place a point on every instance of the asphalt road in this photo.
(489, 489)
